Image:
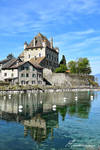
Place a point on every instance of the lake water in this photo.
(50, 121)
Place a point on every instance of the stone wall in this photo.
(30, 75)
(32, 53)
(67, 80)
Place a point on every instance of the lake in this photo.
(50, 121)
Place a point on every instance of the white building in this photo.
(6, 72)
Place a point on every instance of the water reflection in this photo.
(37, 115)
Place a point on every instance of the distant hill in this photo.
(98, 77)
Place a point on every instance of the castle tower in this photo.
(51, 43)
(34, 41)
(25, 45)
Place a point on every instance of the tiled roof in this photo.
(17, 65)
(37, 60)
(9, 57)
(40, 39)
(4, 61)
(22, 63)
(9, 63)
(21, 55)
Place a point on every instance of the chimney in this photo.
(25, 45)
(51, 43)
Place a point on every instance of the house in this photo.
(41, 48)
(29, 73)
(6, 72)
(3, 62)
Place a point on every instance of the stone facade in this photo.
(40, 46)
(29, 74)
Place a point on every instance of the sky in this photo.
(73, 24)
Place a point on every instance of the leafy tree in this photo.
(84, 66)
(63, 60)
(80, 66)
(72, 65)
(61, 69)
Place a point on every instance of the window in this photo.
(5, 74)
(39, 75)
(27, 75)
(29, 56)
(39, 82)
(33, 82)
(27, 82)
(22, 82)
(22, 68)
(35, 42)
(33, 68)
(27, 68)
(47, 55)
(22, 75)
(33, 75)
(39, 54)
(12, 75)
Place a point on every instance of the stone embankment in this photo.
(48, 89)
(69, 80)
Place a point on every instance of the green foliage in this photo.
(63, 60)
(61, 69)
(72, 66)
(93, 83)
(80, 66)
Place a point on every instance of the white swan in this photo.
(20, 106)
(76, 98)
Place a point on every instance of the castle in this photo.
(40, 50)
(28, 68)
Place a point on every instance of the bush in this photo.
(61, 69)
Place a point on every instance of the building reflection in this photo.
(37, 114)
(41, 126)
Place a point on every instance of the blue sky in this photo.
(74, 25)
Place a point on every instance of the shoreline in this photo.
(50, 90)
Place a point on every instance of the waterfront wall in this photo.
(68, 80)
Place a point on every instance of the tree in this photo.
(61, 69)
(84, 66)
(80, 66)
(63, 60)
(72, 66)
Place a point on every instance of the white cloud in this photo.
(32, 15)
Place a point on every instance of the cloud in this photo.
(79, 44)
(30, 15)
